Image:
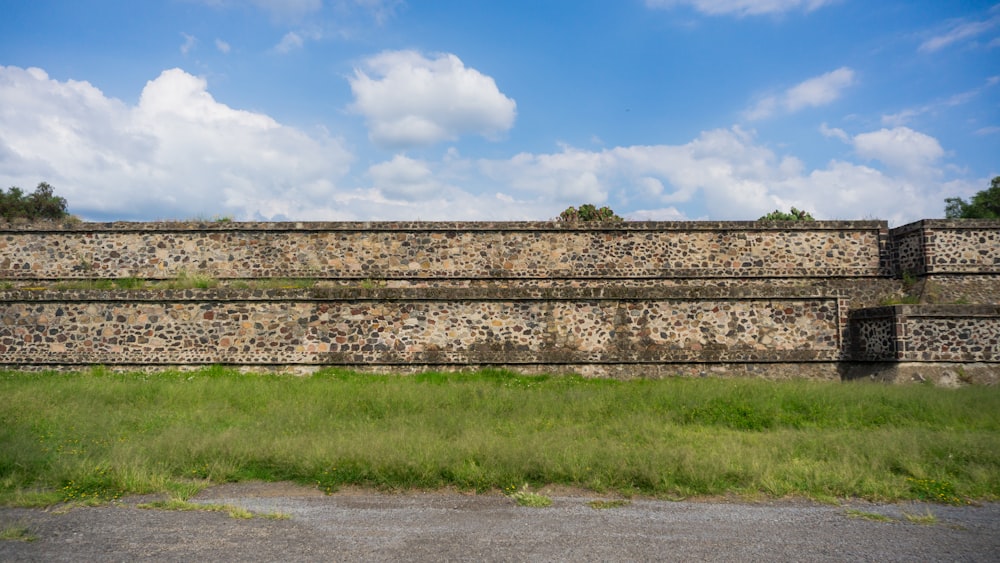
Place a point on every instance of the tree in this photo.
(984, 205)
(793, 215)
(41, 204)
(589, 213)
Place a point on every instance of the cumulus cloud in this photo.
(177, 153)
(732, 176)
(222, 46)
(901, 148)
(814, 92)
(742, 8)
(409, 100)
(180, 153)
(405, 178)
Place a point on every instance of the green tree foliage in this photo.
(793, 215)
(984, 205)
(588, 213)
(41, 204)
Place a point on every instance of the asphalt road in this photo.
(448, 526)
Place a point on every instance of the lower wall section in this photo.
(607, 332)
(404, 327)
(943, 374)
(926, 333)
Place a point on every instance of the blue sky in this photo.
(489, 110)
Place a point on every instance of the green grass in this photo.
(183, 505)
(95, 436)
(16, 532)
(871, 516)
(606, 504)
(927, 518)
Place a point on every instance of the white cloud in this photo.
(742, 7)
(734, 177)
(814, 92)
(178, 153)
(405, 178)
(904, 116)
(409, 100)
(571, 176)
(289, 42)
(901, 148)
(294, 40)
(190, 41)
(959, 30)
(724, 166)
(833, 132)
(661, 214)
(381, 10)
(222, 46)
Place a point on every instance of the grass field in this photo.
(95, 436)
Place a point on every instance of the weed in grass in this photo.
(97, 486)
(932, 490)
(927, 518)
(276, 516)
(524, 497)
(185, 489)
(873, 516)
(129, 283)
(185, 280)
(183, 505)
(605, 504)
(16, 531)
(372, 283)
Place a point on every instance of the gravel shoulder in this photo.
(356, 525)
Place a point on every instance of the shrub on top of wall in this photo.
(589, 213)
(793, 215)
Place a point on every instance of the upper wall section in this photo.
(425, 250)
(941, 246)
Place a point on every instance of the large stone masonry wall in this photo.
(939, 246)
(956, 261)
(398, 327)
(446, 251)
(647, 298)
(926, 333)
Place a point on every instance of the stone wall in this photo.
(926, 333)
(615, 300)
(446, 251)
(403, 326)
(940, 246)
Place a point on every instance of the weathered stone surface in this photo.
(420, 251)
(634, 299)
(392, 327)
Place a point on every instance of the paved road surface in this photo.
(370, 526)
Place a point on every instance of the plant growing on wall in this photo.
(589, 213)
(793, 215)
